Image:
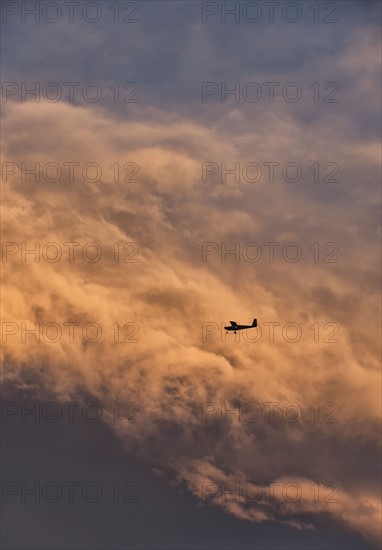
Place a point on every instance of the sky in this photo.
(167, 167)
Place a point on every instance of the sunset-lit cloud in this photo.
(170, 293)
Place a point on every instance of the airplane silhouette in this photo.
(234, 326)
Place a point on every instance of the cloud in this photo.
(290, 497)
(172, 372)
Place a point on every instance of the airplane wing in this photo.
(233, 323)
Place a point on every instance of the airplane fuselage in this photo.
(239, 327)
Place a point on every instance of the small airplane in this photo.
(234, 326)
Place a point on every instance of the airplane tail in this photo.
(254, 324)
